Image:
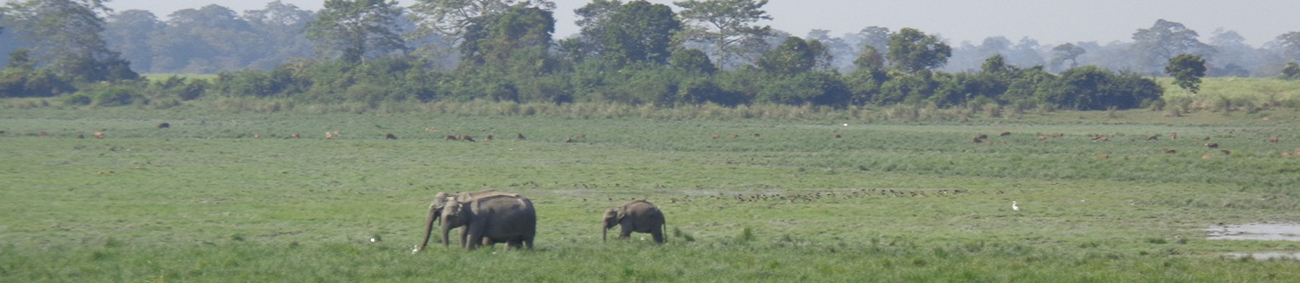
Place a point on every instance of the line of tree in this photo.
(636, 52)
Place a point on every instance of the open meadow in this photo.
(849, 198)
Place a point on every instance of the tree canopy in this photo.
(911, 50)
(725, 24)
(353, 29)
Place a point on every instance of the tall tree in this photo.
(209, 39)
(726, 24)
(1232, 56)
(1290, 44)
(282, 27)
(67, 35)
(1187, 70)
(495, 38)
(1067, 51)
(1164, 40)
(790, 58)
(130, 31)
(876, 37)
(449, 19)
(637, 31)
(355, 29)
(911, 50)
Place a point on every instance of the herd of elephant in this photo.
(492, 216)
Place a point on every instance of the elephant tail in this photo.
(665, 225)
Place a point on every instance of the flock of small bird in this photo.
(1205, 141)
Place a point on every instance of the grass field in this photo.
(203, 201)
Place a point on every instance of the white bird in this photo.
(846, 124)
(1014, 206)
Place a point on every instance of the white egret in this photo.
(1014, 206)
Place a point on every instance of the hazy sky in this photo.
(1048, 21)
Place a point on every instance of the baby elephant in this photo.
(636, 216)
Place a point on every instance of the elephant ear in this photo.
(622, 213)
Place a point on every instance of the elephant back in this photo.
(501, 201)
(467, 197)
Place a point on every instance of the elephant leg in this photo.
(464, 237)
(626, 231)
(475, 237)
(658, 234)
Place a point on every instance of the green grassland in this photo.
(892, 200)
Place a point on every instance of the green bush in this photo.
(115, 96)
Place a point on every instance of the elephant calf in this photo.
(636, 216)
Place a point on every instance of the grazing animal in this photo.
(1272, 139)
(487, 138)
(257, 136)
(756, 135)
(976, 140)
(1057, 135)
(329, 135)
(453, 138)
(164, 125)
(431, 129)
(1286, 154)
(1173, 136)
(1103, 156)
(1003, 134)
(486, 217)
(520, 136)
(1101, 138)
(1212, 145)
(1225, 152)
(1014, 206)
(715, 136)
(838, 136)
(1152, 138)
(1206, 156)
(467, 138)
(734, 136)
(636, 216)
(1042, 138)
(42, 133)
(81, 136)
(580, 136)
(295, 135)
(1170, 151)
(568, 139)
(390, 137)
(99, 135)
(983, 136)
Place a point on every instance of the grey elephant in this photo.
(636, 216)
(493, 219)
(438, 208)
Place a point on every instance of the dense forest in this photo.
(636, 52)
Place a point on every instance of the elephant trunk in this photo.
(604, 231)
(434, 213)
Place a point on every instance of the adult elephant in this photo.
(508, 219)
(636, 216)
(439, 205)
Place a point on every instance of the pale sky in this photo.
(1048, 21)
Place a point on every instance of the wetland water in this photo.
(1258, 232)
